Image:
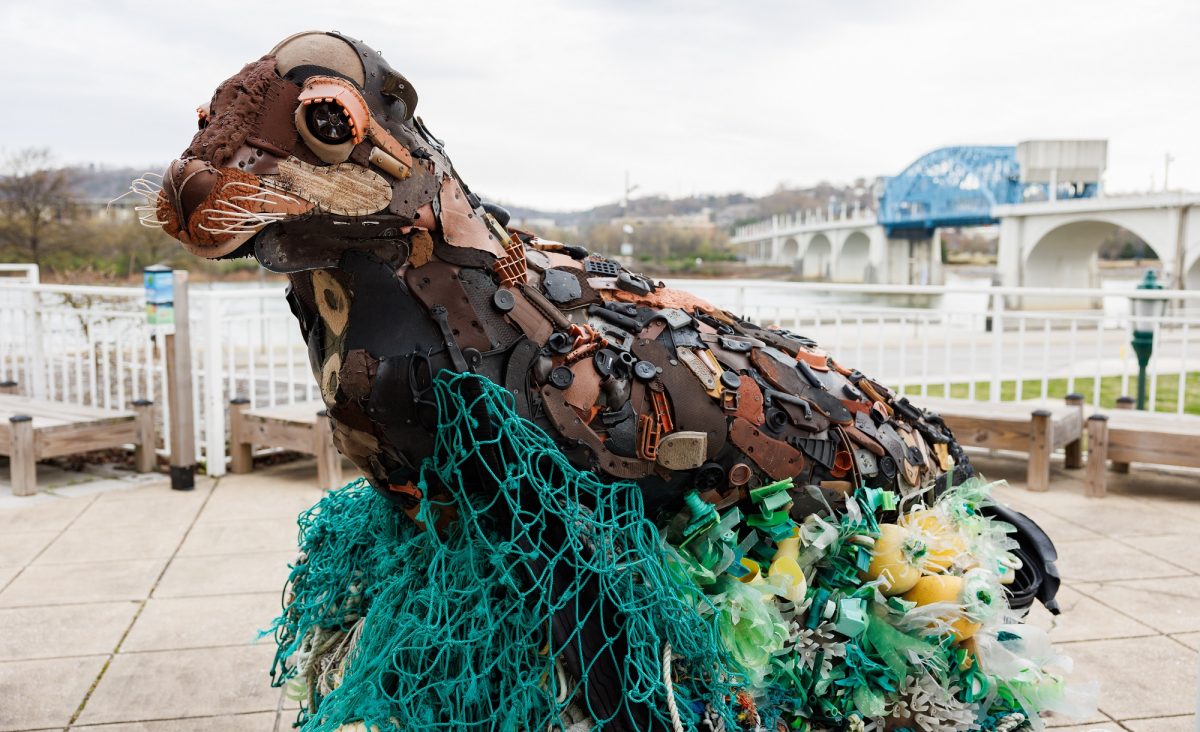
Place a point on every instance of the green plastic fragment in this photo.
(704, 516)
(862, 558)
(851, 617)
(776, 501)
(888, 501)
(758, 495)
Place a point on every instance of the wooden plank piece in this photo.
(1097, 460)
(1040, 447)
(23, 460)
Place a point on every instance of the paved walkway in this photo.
(126, 607)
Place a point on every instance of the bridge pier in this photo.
(1056, 243)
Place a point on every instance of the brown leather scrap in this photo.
(777, 459)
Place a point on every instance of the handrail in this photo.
(1006, 290)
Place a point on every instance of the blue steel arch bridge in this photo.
(959, 186)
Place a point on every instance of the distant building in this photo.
(533, 223)
(701, 221)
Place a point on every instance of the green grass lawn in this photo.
(1056, 389)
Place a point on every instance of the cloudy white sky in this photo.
(548, 103)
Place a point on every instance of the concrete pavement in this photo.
(127, 607)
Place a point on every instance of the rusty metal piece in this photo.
(777, 459)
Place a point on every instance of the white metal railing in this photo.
(977, 338)
(28, 274)
(90, 345)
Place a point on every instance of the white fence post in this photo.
(997, 345)
(37, 352)
(214, 387)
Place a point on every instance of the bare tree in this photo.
(35, 197)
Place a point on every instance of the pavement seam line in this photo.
(141, 608)
(42, 551)
(1118, 610)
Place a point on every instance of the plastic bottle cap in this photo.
(561, 377)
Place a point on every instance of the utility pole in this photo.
(625, 195)
(1167, 160)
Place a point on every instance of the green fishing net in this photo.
(549, 601)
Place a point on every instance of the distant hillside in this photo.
(94, 182)
(100, 183)
(727, 209)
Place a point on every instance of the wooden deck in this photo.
(32, 430)
(302, 427)
(1125, 436)
(1019, 427)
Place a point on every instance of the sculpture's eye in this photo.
(332, 117)
(328, 122)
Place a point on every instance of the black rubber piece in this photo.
(503, 300)
(645, 370)
(561, 377)
(730, 380)
(183, 477)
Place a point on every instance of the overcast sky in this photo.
(547, 104)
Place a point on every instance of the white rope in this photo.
(1010, 722)
(676, 722)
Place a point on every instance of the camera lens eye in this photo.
(328, 123)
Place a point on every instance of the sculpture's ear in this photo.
(319, 52)
(397, 88)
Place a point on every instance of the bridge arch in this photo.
(817, 258)
(1067, 255)
(789, 253)
(1191, 277)
(854, 258)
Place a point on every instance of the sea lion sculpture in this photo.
(311, 160)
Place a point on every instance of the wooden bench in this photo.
(1127, 436)
(303, 427)
(1018, 427)
(32, 430)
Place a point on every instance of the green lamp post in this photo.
(1146, 311)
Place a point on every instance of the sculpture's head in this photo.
(321, 129)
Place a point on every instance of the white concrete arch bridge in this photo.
(818, 246)
(1045, 196)
(1055, 243)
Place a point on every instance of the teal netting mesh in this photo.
(549, 599)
